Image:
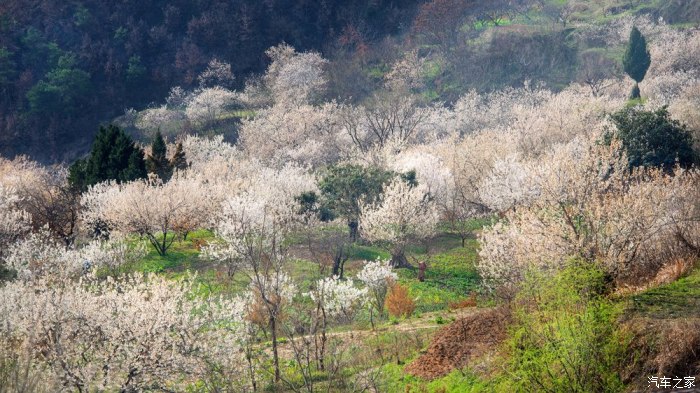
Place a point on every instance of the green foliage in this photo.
(637, 59)
(82, 16)
(396, 381)
(309, 203)
(179, 160)
(652, 138)
(120, 34)
(114, 156)
(62, 90)
(344, 187)
(157, 162)
(410, 178)
(37, 52)
(135, 70)
(6, 274)
(566, 336)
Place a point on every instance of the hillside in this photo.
(68, 67)
(366, 196)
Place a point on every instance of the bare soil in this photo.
(460, 343)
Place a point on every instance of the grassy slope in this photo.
(679, 299)
(451, 275)
(676, 301)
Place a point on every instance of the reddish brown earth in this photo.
(461, 342)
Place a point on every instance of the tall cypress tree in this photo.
(114, 156)
(157, 161)
(637, 59)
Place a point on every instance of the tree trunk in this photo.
(251, 371)
(339, 260)
(275, 354)
(398, 260)
(322, 357)
(636, 94)
(163, 247)
(353, 227)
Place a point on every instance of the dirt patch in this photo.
(459, 343)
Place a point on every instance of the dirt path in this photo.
(425, 322)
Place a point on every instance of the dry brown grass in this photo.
(662, 347)
(468, 302)
(668, 273)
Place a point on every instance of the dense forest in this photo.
(66, 67)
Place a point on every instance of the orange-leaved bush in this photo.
(398, 302)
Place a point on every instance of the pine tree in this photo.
(637, 59)
(179, 161)
(114, 156)
(157, 162)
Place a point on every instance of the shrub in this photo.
(398, 302)
(652, 138)
(464, 303)
(566, 336)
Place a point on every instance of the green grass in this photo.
(367, 253)
(451, 276)
(456, 382)
(182, 255)
(304, 273)
(236, 114)
(679, 299)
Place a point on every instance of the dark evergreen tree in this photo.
(179, 160)
(410, 178)
(157, 161)
(652, 138)
(114, 156)
(343, 188)
(637, 59)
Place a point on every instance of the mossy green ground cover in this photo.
(455, 382)
(679, 299)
